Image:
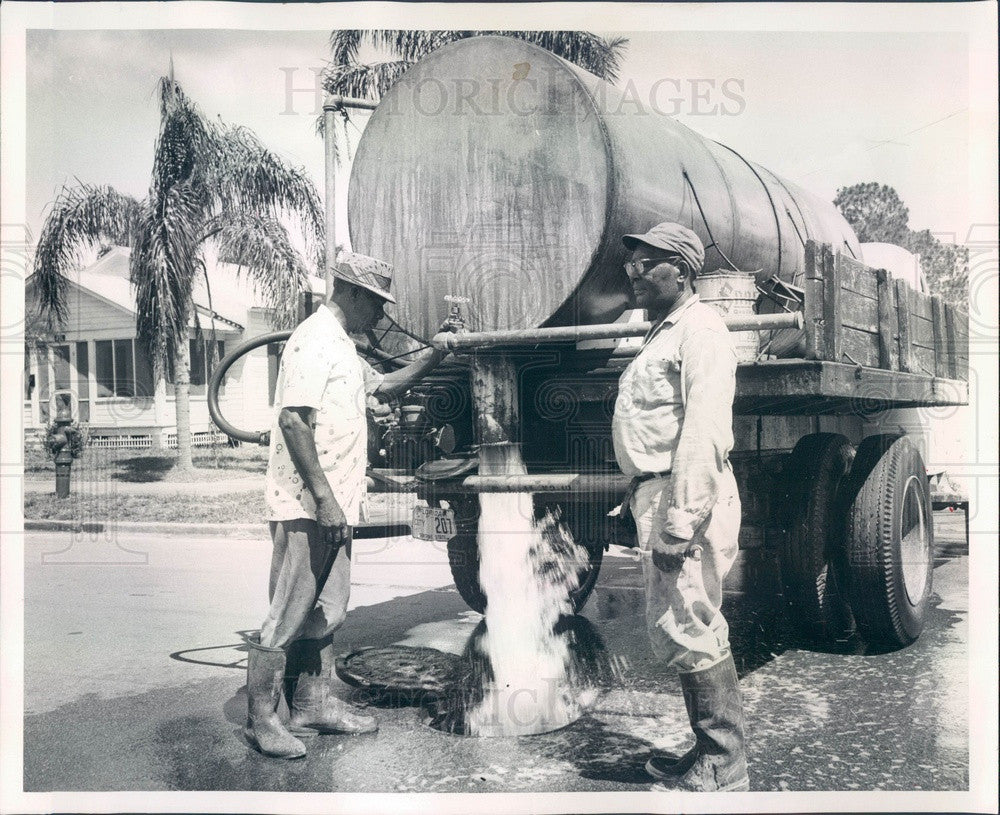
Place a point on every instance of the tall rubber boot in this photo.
(313, 702)
(265, 674)
(717, 763)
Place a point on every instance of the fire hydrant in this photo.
(64, 444)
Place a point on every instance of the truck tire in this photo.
(890, 547)
(463, 558)
(870, 451)
(813, 539)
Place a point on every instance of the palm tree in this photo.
(213, 185)
(346, 76)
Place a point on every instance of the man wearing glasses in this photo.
(672, 432)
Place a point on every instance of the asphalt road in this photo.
(134, 674)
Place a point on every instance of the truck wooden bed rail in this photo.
(860, 315)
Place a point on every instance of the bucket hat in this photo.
(367, 272)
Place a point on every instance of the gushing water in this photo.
(527, 571)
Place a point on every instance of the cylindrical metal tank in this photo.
(500, 172)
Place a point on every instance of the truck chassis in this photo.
(847, 516)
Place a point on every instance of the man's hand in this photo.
(669, 552)
(449, 326)
(333, 527)
(453, 326)
(383, 413)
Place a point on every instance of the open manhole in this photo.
(400, 673)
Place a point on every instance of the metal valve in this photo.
(455, 312)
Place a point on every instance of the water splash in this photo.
(527, 570)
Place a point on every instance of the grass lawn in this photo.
(237, 507)
(135, 466)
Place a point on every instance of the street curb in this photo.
(154, 527)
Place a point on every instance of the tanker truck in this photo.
(498, 180)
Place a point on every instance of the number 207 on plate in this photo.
(433, 523)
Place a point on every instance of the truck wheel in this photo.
(813, 539)
(463, 558)
(890, 547)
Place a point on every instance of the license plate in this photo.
(433, 523)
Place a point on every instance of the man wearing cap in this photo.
(315, 487)
(672, 432)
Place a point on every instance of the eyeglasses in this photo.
(640, 268)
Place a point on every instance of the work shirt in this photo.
(674, 411)
(320, 369)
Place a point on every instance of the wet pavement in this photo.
(134, 673)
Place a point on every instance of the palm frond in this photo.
(250, 179)
(163, 267)
(370, 81)
(261, 247)
(602, 57)
(80, 218)
(411, 45)
(186, 145)
(344, 44)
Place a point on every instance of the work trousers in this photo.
(683, 604)
(303, 605)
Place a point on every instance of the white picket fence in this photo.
(203, 439)
(145, 441)
(121, 442)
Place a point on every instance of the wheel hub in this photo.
(915, 549)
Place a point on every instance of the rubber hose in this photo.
(251, 436)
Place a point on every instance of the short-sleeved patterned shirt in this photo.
(320, 369)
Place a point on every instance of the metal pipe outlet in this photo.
(547, 482)
(578, 333)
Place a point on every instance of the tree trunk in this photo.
(182, 401)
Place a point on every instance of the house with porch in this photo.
(96, 363)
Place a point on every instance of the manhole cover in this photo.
(401, 672)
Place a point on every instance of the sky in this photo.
(822, 109)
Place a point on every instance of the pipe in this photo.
(376, 531)
(540, 482)
(485, 339)
(576, 333)
(330, 150)
(331, 106)
(336, 101)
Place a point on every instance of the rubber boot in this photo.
(265, 673)
(313, 702)
(671, 767)
(717, 762)
(316, 706)
(300, 659)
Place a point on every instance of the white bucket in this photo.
(733, 294)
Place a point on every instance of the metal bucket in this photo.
(733, 293)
